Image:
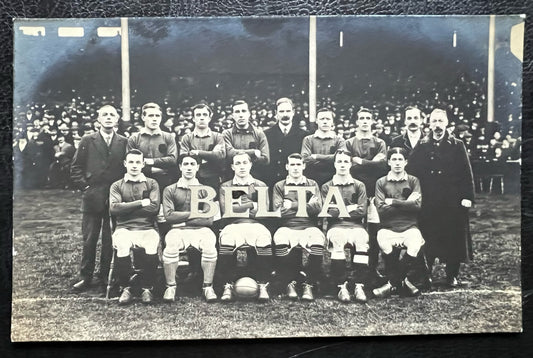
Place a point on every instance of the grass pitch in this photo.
(47, 249)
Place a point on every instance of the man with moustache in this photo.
(413, 123)
(245, 137)
(441, 164)
(97, 163)
(284, 138)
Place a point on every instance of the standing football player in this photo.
(245, 137)
(398, 200)
(318, 149)
(244, 229)
(298, 229)
(187, 233)
(207, 145)
(134, 202)
(347, 229)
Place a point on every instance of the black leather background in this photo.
(433, 346)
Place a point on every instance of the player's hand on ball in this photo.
(466, 203)
(145, 202)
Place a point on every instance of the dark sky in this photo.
(164, 48)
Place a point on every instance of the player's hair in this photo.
(339, 152)
(397, 150)
(134, 152)
(188, 155)
(295, 156)
(284, 100)
(241, 152)
(202, 105)
(239, 102)
(325, 109)
(150, 105)
(365, 110)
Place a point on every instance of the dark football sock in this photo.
(452, 268)
(123, 270)
(391, 267)
(337, 271)
(404, 265)
(226, 263)
(149, 271)
(263, 264)
(314, 268)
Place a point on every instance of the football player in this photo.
(207, 145)
(187, 232)
(347, 229)
(244, 229)
(318, 149)
(134, 202)
(398, 200)
(298, 229)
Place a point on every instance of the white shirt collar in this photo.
(285, 127)
(197, 134)
(361, 135)
(290, 181)
(337, 180)
(185, 184)
(392, 177)
(138, 179)
(249, 180)
(105, 135)
(145, 130)
(327, 135)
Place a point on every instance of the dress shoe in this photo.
(409, 290)
(125, 297)
(81, 286)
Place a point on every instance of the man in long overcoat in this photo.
(441, 164)
(98, 163)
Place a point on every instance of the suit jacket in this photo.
(281, 147)
(402, 141)
(97, 166)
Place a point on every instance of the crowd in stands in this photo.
(47, 132)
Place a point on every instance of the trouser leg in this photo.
(90, 228)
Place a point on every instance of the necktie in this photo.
(108, 140)
(285, 132)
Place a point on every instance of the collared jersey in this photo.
(289, 218)
(251, 196)
(211, 150)
(352, 192)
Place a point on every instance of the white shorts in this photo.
(252, 234)
(179, 239)
(339, 237)
(411, 239)
(124, 240)
(304, 238)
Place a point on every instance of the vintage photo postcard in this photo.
(217, 178)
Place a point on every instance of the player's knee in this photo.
(361, 242)
(384, 244)
(263, 240)
(151, 242)
(122, 243)
(281, 238)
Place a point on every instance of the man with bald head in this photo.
(97, 163)
(441, 164)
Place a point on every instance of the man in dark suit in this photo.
(95, 166)
(413, 123)
(284, 138)
(441, 164)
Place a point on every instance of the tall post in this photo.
(312, 68)
(125, 64)
(490, 69)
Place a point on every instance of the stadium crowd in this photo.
(47, 132)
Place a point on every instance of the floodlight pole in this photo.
(312, 68)
(125, 64)
(490, 69)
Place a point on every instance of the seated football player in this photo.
(398, 200)
(187, 233)
(240, 208)
(298, 228)
(134, 202)
(345, 228)
(319, 148)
